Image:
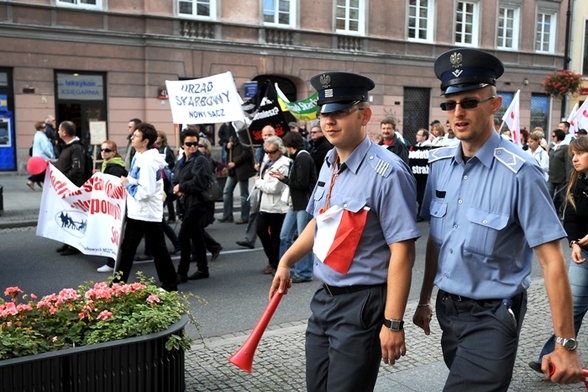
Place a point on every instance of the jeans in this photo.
(294, 223)
(228, 198)
(578, 275)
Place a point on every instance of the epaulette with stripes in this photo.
(380, 166)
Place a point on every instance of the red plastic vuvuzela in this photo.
(243, 358)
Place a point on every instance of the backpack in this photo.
(168, 185)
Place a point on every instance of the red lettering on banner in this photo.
(105, 207)
(115, 236)
(83, 205)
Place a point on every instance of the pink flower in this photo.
(104, 315)
(153, 298)
(12, 291)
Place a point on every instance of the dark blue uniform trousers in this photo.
(479, 341)
(343, 350)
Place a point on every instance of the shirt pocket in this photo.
(483, 231)
(319, 193)
(438, 211)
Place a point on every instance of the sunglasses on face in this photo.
(191, 144)
(339, 114)
(271, 152)
(201, 146)
(465, 104)
(106, 150)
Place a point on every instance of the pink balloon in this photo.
(36, 165)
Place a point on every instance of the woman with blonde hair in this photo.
(437, 135)
(113, 164)
(540, 155)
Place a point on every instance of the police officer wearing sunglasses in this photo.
(482, 198)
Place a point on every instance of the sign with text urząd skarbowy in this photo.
(213, 99)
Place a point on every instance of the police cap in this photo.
(465, 69)
(340, 90)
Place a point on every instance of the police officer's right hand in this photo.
(281, 282)
(422, 317)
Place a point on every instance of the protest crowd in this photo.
(294, 170)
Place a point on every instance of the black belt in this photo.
(335, 290)
(461, 298)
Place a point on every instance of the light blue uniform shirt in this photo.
(380, 180)
(486, 215)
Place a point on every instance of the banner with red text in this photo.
(88, 218)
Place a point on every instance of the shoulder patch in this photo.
(441, 153)
(509, 159)
(379, 165)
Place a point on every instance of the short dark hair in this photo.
(424, 131)
(68, 127)
(136, 121)
(559, 134)
(189, 132)
(149, 132)
(293, 140)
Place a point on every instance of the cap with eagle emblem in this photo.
(340, 90)
(465, 69)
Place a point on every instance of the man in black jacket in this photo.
(71, 163)
(319, 146)
(390, 140)
(240, 164)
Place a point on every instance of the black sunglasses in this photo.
(270, 152)
(191, 144)
(106, 150)
(465, 104)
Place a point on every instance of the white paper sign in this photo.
(213, 99)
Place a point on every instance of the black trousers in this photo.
(268, 231)
(153, 232)
(479, 341)
(192, 230)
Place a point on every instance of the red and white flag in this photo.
(512, 119)
(580, 118)
(337, 236)
(572, 120)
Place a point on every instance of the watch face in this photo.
(571, 344)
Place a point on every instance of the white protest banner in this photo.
(213, 99)
(88, 218)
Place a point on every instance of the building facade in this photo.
(106, 61)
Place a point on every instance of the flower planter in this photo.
(135, 364)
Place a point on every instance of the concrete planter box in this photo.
(135, 364)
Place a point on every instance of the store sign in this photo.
(80, 87)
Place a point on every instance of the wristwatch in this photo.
(394, 325)
(568, 343)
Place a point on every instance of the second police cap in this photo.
(465, 69)
(340, 90)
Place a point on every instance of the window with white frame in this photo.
(202, 9)
(466, 22)
(545, 32)
(508, 28)
(421, 20)
(350, 16)
(279, 12)
(83, 4)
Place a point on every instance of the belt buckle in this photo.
(457, 298)
(328, 289)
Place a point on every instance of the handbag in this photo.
(213, 191)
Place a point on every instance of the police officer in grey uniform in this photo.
(482, 199)
(362, 235)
